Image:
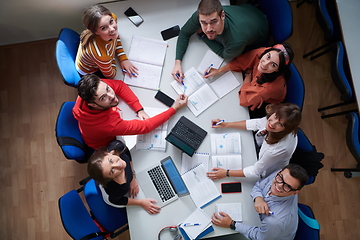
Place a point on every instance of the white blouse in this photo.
(271, 157)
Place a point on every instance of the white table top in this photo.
(349, 19)
(159, 15)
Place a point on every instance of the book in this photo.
(233, 209)
(225, 84)
(187, 162)
(226, 150)
(148, 56)
(201, 96)
(203, 223)
(203, 191)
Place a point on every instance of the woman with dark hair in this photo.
(266, 72)
(100, 43)
(276, 135)
(112, 169)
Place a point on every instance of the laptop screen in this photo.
(174, 177)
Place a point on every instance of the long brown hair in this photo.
(290, 114)
(91, 18)
(94, 168)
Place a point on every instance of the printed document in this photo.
(226, 151)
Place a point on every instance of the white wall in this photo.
(31, 20)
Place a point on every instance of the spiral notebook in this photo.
(203, 191)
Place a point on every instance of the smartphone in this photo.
(170, 32)
(165, 99)
(133, 16)
(231, 187)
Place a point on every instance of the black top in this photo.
(117, 191)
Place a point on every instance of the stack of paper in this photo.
(196, 224)
(148, 56)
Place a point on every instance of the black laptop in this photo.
(186, 135)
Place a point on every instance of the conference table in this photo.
(159, 15)
(349, 18)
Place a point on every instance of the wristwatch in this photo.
(232, 225)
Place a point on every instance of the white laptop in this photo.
(162, 182)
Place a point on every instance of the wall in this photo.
(31, 20)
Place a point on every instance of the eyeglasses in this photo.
(280, 180)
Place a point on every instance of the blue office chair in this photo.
(109, 217)
(280, 17)
(68, 135)
(340, 74)
(353, 143)
(295, 89)
(77, 221)
(308, 226)
(307, 156)
(65, 54)
(327, 17)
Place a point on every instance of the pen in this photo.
(127, 71)
(208, 70)
(218, 123)
(178, 76)
(191, 224)
(272, 213)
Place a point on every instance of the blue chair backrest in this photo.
(305, 145)
(109, 217)
(340, 73)
(280, 17)
(68, 134)
(308, 227)
(75, 217)
(295, 88)
(65, 54)
(352, 135)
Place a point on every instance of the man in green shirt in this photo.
(227, 30)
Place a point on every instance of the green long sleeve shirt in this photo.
(244, 26)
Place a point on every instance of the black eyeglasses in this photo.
(280, 180)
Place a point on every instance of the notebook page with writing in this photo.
(233, 209)
(187, 162)
(198, 216)
(210, 58)
(225, 84)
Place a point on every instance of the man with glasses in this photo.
(276, 201)
(227, 30)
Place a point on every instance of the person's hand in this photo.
(142, 115)
(212, 72)
(134, 188)
(130, 69)
(216, 174)
(248, 76)
(149, 206)
(222, 220)
(261, 206)
(180, 102)
(177, 71)
(220, 125)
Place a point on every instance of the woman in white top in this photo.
(276, 136)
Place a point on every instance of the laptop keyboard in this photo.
(161, 183)
(187, 135)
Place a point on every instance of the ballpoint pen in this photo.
(218, 123)
(208, 69)
(270, 212)
(191, 224)
(127, 72)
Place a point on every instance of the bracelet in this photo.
(133, 172)
(227, 173)
(139, 110)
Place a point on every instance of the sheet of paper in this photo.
(192, 82)
(147, 50)
(188, 162)
(154, 140)
(233, 209)
(149, 76)
(202, 99)
(233, 162)
(225, 143)
(209, 58)
(225, 84)
(198, 216)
